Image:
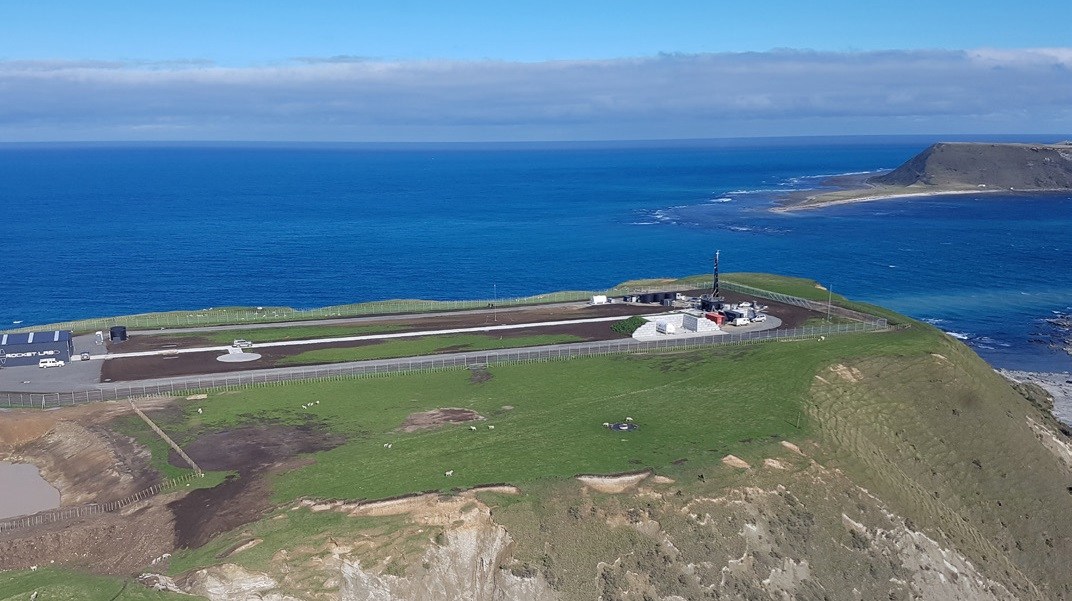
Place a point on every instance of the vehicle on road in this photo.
(50, 363)
(240, 343)
(760, 317)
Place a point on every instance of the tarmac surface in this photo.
(172, 365)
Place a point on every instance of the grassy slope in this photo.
(61, 585)
(945, 440)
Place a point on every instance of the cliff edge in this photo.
(1005, 166)
(955, 168)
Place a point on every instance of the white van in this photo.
(50, 363)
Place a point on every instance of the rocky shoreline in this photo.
(1057, 385)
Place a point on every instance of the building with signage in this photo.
(28, 348)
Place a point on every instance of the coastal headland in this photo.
(950, 168)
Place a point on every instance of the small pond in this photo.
(24, 491)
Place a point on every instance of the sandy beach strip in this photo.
(814, 202)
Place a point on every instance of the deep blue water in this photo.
(103, 230)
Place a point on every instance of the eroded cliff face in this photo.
(812, 535)
(462, 555)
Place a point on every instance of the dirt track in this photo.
(143, 368)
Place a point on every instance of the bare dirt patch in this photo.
(479, 375)
(613, 484)
(254, 452)
(112, 543)
(426, 420)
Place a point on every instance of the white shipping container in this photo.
(665, 327)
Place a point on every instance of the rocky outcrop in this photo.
(1024, 167)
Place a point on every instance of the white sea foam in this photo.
(959, 335)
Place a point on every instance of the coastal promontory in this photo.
(960, 168)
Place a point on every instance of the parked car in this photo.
(50, 363)
(240, 343)
(760, 317)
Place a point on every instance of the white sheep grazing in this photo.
(390, 445)
(628, 419)
(606, 424)
(385, 445)
(491, 427)
(199, 411)
(318, 401)
(448, 473)
(473, 428)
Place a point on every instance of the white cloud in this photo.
(353, 98)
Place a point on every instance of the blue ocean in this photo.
(95, 230)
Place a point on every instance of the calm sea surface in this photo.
(103, 230)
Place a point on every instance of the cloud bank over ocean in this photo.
(783, 92)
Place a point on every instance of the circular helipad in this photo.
(238, 357)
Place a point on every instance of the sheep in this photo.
(491, 427)
(199, 411)
(385, 445)
(318, 401)
(390, 445)
(628, 419)
(606, 424)
(448, 473)
(473, 428)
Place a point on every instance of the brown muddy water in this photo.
(24, 491)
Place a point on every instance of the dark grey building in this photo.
(30, 347)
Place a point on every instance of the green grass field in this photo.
(697, 405)
(63, 585)
(425, 345)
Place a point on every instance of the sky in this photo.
(502, 71)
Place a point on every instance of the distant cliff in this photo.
(957, 165)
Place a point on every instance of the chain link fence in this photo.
(432, 363)
(69, 513)
(260, 315)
